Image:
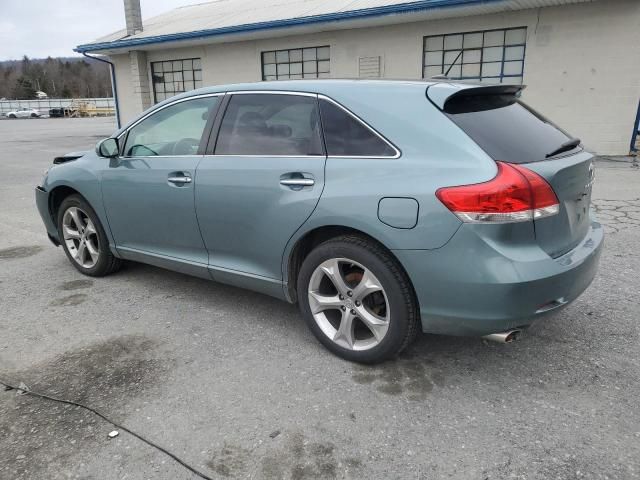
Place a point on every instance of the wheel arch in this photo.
(81, 177)
(308, 240)
(60, 191)
(108, 259)
(57, 196)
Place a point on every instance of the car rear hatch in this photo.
(511, 132)
(571, 178)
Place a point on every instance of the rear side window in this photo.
(270, 124)
(346, 136)
(505, 127)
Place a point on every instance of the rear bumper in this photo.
(42, 202)
(477, 286)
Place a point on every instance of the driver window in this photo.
(174, 130)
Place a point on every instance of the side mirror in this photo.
(108, 148)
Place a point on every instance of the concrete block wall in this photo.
(140, 80)
(584, 71)
(581, 62)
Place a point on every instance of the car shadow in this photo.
(210, 294)
(544, 356)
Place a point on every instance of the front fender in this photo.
(83, 176)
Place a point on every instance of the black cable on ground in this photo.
(9, 386)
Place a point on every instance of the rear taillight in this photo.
(516, 194)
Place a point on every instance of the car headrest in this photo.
(252, 119)
(281, 131)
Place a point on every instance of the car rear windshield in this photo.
(506, 128)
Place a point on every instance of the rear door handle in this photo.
(297, 182)
(179, 178)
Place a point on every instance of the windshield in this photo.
(505, 127)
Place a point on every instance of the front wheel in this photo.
(357, 300)
(83, 238)
(12, 116)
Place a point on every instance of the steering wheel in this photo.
(132, 151)
(186, 146)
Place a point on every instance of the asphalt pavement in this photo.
(233, 383)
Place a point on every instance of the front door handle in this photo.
(179, 178)
(297, 182)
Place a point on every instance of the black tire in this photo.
(12, 116)
(106, 263)
(404, 317)
(33, 115)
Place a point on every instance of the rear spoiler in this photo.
(442, 93)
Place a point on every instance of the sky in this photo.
(41, 28)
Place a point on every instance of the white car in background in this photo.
(24, 113)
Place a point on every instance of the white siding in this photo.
(581, 63)
(205, 16)
(127, 101)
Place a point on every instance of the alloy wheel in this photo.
(80, 237)
(349, 304)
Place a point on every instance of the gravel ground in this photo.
(232, 382)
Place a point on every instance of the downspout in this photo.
(633, 150)
(114, 88)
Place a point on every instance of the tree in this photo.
(8, 77)
(23, 89)
(26, 66)
(58, 77)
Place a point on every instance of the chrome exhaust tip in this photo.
(504, 337)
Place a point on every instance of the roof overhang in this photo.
(361, 18)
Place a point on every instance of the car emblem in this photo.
(592, 176)
(587, 187)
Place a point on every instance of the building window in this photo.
(175, 76)
(491, 56)
(296, 63)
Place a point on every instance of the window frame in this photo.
(479, 78)
(153, 84)
(397, 151)
(122, 138)
(211, 148)
(289, 62)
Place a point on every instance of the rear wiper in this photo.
(565, 147)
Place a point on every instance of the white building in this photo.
(579, 58)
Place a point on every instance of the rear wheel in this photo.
(33, 115)
(357, 300)
(83, 238)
